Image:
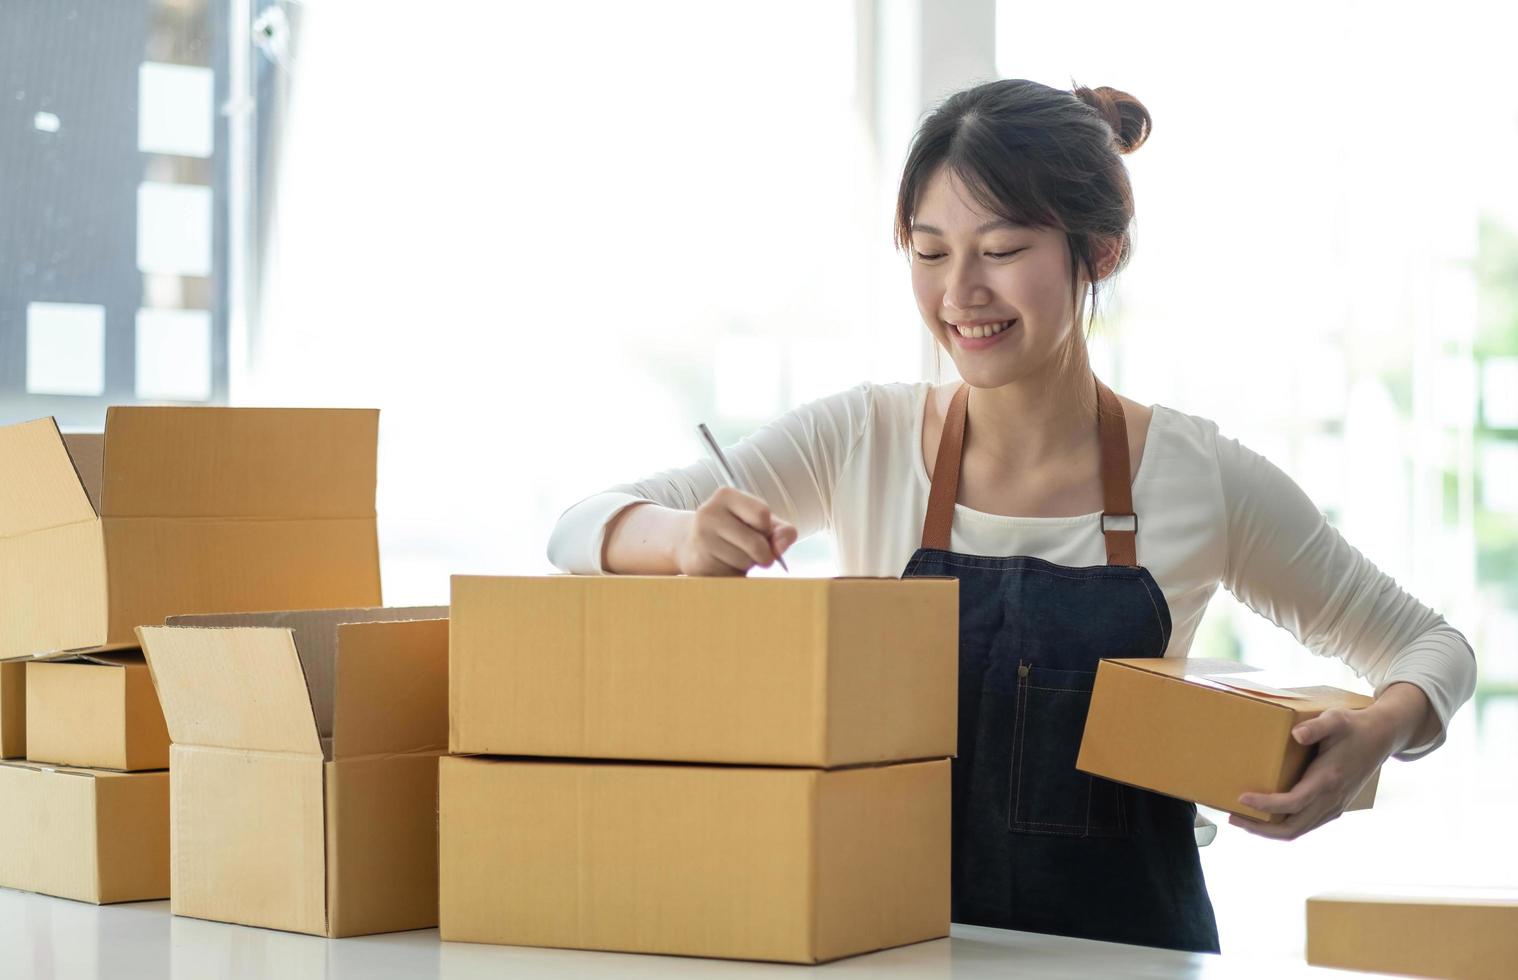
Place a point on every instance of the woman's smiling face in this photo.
(995, 294)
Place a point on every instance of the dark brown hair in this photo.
(1038, 156)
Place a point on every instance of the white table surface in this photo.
(42, 938)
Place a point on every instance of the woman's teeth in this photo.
(989, 330)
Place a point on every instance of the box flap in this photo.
(239, 462)
(231, 688)
(392, 688)
(41, 489)
(87, 450)
(316, 638)
(234, 564)
(53, 584)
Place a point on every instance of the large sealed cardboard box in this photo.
(182, 510)
(95, 710)
(797, 865)
(12, 709)
(1468, 933)
(758, 671)
(93, 836)
(304, 766)
(1204, 730)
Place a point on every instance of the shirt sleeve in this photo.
(1287, 563)
(792, 464)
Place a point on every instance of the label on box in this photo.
(1254, 682)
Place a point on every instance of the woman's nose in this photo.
(964, 289)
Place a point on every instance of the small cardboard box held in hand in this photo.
(798, 865)
(1203, 730)
(304, 766)
(749, 671)
(1469, 933)
(91, 836)
(95, 711)
(182, 510)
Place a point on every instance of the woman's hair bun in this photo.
(1126, 115)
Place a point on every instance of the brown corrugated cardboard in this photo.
(95, 710)
(1204, 730)
(797, 865)
(1467, 933)
(304, 765)
(760, 671)
(93, 836)
(12, 709)
(179, 510)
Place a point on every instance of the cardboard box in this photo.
(1204, 730)
(182, 510)
(12, 709)
(95, 710)
(1469, 933)
(797, 865)
(757, 671)
(92, 836)
(304, 766)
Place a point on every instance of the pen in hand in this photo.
(726, 472)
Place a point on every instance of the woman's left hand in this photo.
(1352, 744)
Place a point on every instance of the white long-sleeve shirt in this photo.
(1210, 511)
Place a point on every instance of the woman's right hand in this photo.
(731, 533)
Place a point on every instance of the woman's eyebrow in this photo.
(988, 226)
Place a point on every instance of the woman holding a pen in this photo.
(1081, 525)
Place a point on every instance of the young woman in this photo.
(1080, 524)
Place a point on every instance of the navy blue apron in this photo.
(1038, 845)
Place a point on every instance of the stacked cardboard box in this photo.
(304, 765)
(744, 768)
(170, 510)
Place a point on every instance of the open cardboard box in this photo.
(1204, 730)
(94, 710)
(788, 864)
(304, 765)
(182, 510)
(757, 671)
(91, 836)
(1471, 933)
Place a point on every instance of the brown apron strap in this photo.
(1119, 522)
(945, 489)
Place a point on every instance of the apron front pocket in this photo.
(1047, 794)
